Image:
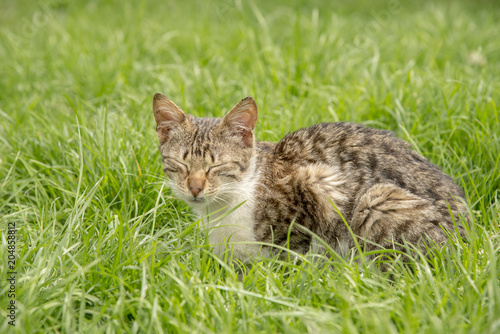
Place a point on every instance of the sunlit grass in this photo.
(102, 244)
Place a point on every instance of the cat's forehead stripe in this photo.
(201, 136)
(206, 122)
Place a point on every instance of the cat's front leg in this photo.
(236, 238)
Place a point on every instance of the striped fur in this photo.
(313, 177)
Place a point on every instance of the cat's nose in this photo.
(195, 186)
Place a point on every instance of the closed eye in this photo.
(229, 175)
(227, 169)
(170, 169)
(184, 166)
(220, 167)
(176, 166)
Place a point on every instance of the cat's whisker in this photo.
(221, 200)
(232, 184)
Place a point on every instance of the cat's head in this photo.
(206, 158)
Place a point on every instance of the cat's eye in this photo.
(212, 171)
(225, 169)
(176, 166)
(182, 165)
(170, 169)
(213, 168)
(228, 175)
(219, 172)
(217, 168)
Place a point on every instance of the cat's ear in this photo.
(242, 119)
(167, 116)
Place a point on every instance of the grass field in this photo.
(101, 244)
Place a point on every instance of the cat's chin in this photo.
(197, 202)
(202, 203)
(192, 201)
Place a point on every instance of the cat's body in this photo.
(386, 192)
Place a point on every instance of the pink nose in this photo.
(195, 186)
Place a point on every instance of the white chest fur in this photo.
(230, 223)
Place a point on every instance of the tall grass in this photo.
(103, 246)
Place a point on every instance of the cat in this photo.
(319, 179)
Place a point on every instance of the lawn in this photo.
(101, 244)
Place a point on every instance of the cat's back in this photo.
(343, 137)
(366, 156)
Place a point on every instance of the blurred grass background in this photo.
(104, 247)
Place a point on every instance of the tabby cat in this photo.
(387, 193)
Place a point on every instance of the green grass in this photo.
(102, 246)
